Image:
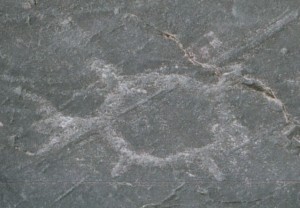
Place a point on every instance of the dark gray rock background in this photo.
(158, 103)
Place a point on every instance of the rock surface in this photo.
(149, 104)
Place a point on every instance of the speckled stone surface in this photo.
(149, 103)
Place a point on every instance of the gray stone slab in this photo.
(143, 104)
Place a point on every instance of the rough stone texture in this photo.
(149, 103)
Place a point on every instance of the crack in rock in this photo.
(260, 87)
(171, 197)
(191, 57)
(69, 191)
